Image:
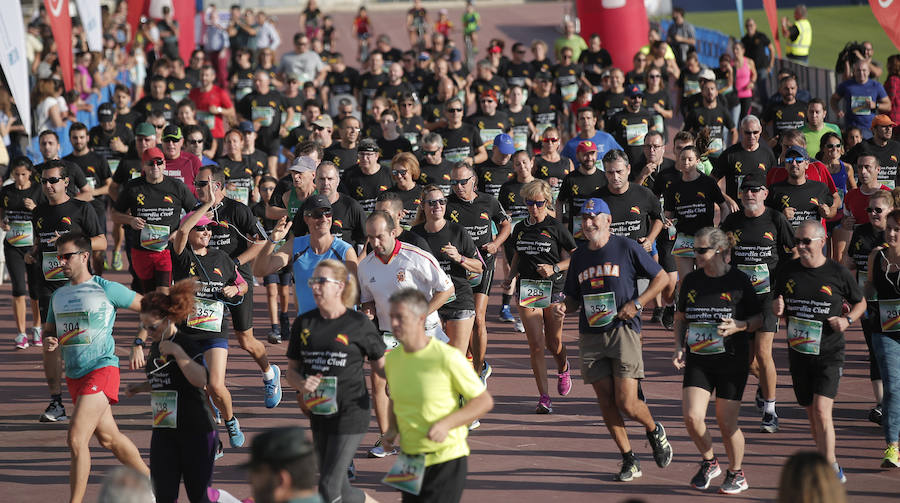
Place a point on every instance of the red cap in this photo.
(586, 146)
(152, 153)
(495, 49)
(490, 93)
(882, 120)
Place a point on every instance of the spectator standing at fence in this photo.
(798, 35)
(681, 36)
(762, 52)
(863, 98)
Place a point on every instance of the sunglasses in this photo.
(752, 132)
(429, 152)
(195, 142)
(399, 172)
(793, 160)
(702, 250)
(65, 257)
(877, 211)
(436, 202)
(539, 204)
(171, 140)
(806, 241)
(201, 183)
(202, 228)
(753, 190)
(318, 214)
(53, 180)
(833, 145)
(321, 280)
(454, 110)
(461, 181)
(159, 127)
(487, 101)
(550, 140)
(156, 162)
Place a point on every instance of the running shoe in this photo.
(760, 401)
(668, 317)
(630, 470)
(217, 415)
(662, 450)
(274, 336)
(564, 382)
(54, 412)
(220, 451)
(474, 425)
(21, 341)
(891, 457)
(657, 315)
(839, 472)
(544, 406)
(37, 337)
(486, 371)
(117, 260)
(519, 326)
(351, 472)
(769, 423)
(273, 388)
(235, 435)
(709, 469)
(377, 451)
(735, 482)
(876, 414)
(506, 315)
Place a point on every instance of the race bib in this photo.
(487, 137)
(154, 237)
(73, 329)
(804, 336)
(635, 133)
(294, 122)
(600, 309)
(691, 87)
(239, 194)
(113, 165)
(759, 276)
(165, 408)
(178, 95)
(323, 401)
(20, 234)
(535, 293)
(520, 140)
(890, 315)
(576, 227)
(412, 138)
(569, 92)
(704, 339)
(684, 246)
(658, 123)
(207, 315)
(715, 145)
(859, 105)
(207, 118)
(91, 181)
(455, 156)
(51, 267)
(407, 473)
(266, 115)
(390, 341)
(861, 278)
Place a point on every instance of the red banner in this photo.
(61, 26)
(887, 12)
(774, 25)
(607, 18)
(136, 10)
(184, 14)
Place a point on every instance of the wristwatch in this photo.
(637, 305)
(237, 261)
(849, 319)
(555, 268)
(138, 342)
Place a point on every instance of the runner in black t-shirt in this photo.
(810, 292)
(240, 178)
(630, 125)
(278, 284)
(883, 147)
(368, 178)
(497, 169)
(348, 220)
(265, 108)
(344, 153)
(717, 311)
(433, 167)
(461, 140)
(798, 197)
(635, 210)
(405, 175)
(578, 185)
(786, 115)
(98, 178)
(709, 111)
(747, 156)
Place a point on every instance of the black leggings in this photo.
(25, 278)
(178, 454)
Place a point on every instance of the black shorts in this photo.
(242, 314)
(664, 247)
(487, 277)
(282, 277)
(769, 320)
(815, 375)
(271, 146)
(25, 278)
(442, 483)
(101, 218)
(45, 291)
(729, 385)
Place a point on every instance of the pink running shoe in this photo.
(544, 406)
(37, 338)
(564, 384)
(21, 341)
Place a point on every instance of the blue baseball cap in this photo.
(504, 143)
(246, 127)
(594, 206)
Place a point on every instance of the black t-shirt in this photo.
(342, 157)
(73, 215)
(567, 78)
(238, 173)
(393, 92)
(496, 84)
(767, 239)
(545, 111)
(735, 163)
(12, 200)
(489, 126)
(693, 203)
(456, 235)
(661, 98)
(213, 271)
(609, 103)
(100, 139)
(369, 84)
(336, 348)
(481, 216)
(96, 173)
(491, 176)
(243, 85)
(235, 228)
(193, 413)
(412, 129)
(516, 73)
(545, 169)
(390, 148)
(816, 294)
(258, 162)
(436, 174)
(541, 243)
(412, 199)
(629, 129)
(785, 117)
(128, 169)
(757, 45)
(344, 82)
(614, 268)
(576, 189)
(511, 200)
(601, 58)
(267, 109)
(708, 300)
(666, 169)
(460, 143)
(805, 199)
(159, 204)
(365, 188)
(632, 212)
(888, 158)
(147, 105)
(717, 119)
(295, 137)
(865, 239)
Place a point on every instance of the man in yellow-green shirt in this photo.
(427, 378)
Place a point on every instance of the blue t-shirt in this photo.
(604, 141)
(856, 112)
(305, 262)
(613, 269)
(84, 315)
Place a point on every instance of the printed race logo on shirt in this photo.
(342, 338)
(337, 223)
(826, 290)
(484, 216)
(789, 286)
(813, 200)
(769, 235)
(636, 210)
(66, 220)
(725, 296)
(217, 271)
(701, 195)
(168, 199)
(546, 234)
(304, 335)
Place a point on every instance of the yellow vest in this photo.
(800, 47)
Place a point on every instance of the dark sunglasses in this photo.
(793, 160)
(833, 145)
(196, 142)
(550, 140)
(318, 214)
(429, 152)
(454, 110)
(461, 181)
(753, 190)
(701, 250)
(436, 202)
(752, 132)
(68, 256)
(53, 180)
(539, 204)
(399, 172)
(806, 241)
(156, 162)
(171, 140)
(201, 183)
(877, 211)
(202, 228)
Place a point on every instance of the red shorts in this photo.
(104, 379)
(149, 264)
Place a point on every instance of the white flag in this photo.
(89, 12)
(12, 59)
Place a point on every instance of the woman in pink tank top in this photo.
(744, 77)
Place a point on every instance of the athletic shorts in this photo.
(242, 314)
(25, 278)
(615, 352)
(441, 483)
(487, 277)
(456, 314)
(103, 380)
(282, 277)
(664, 248)
(101, 218)
(152, 266)
(769, 320)
(203, 345)
(815, 375)
(728, 385)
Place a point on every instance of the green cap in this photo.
(145, 129)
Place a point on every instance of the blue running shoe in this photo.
(273, 388)
(235, 435)
(506, 315)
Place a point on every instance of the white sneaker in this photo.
(21, 341)
(519, 326)
(378, 451)
(37, 338)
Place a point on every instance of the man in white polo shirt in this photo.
(392, 266)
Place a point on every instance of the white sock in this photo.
(769, 408)
(269, 374)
